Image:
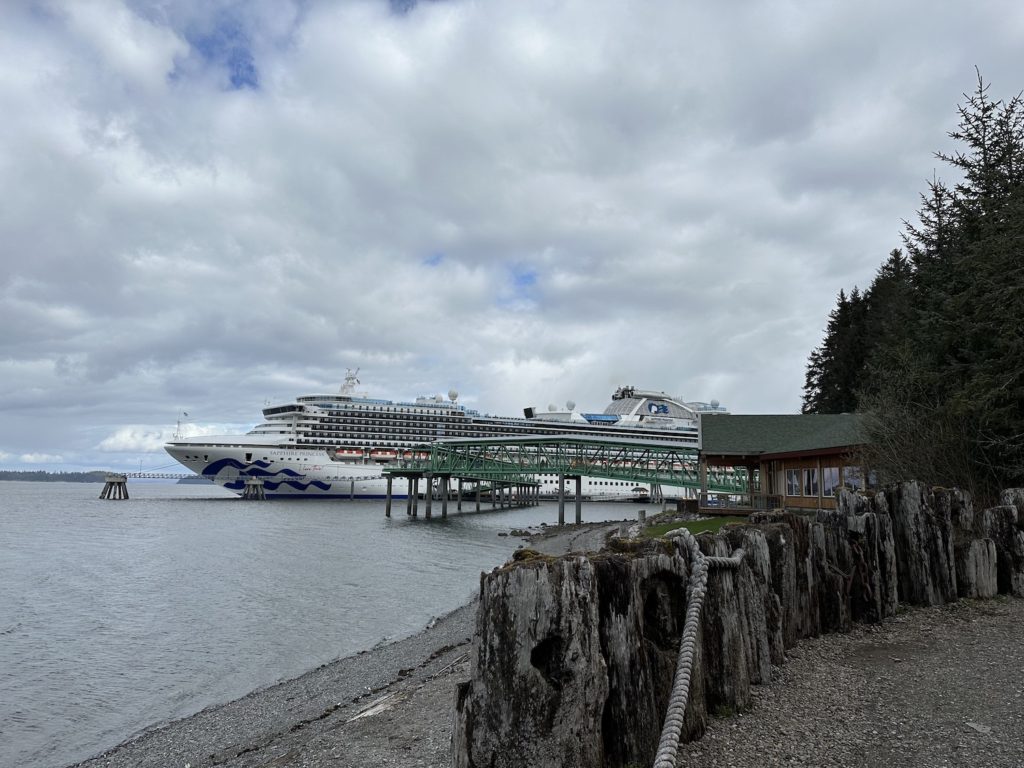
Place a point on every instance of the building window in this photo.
(792, 482)
(853, 478)
(829, 480)
(810, 482)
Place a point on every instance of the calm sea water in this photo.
(117, 615)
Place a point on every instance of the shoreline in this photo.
(867, 697)
(274, 724)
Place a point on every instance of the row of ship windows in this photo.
(428, 425)
(395, 423)
(387, 409)
(397, 426)
(359, 434)
(329, 424)
(347, 416)
(413, 428)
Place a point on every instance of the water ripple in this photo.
(119, 615)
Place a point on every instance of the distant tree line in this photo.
(932, 353)
(53, 477)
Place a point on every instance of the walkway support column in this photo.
(429, 494)
(561, 499)
(387, 498)
(579, 499)
(444, 495)
(477, 495)
(703, 471)
(416, 496)
(408, 499)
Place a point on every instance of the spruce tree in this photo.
(934, 350)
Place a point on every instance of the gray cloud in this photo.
(213, 204)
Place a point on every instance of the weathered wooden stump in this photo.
(573, 658)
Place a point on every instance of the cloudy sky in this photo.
(209, 204)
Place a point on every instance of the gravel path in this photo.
(929, 687)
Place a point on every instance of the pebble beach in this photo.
(929, 687)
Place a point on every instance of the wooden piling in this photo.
(115, 487)
(254, 489)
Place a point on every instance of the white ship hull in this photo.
(286, 472)
(298, 473)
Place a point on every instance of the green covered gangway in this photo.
(518, 460)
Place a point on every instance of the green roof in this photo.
(790, 433)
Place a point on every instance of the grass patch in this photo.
(712, 524)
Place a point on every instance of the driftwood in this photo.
(573, 658)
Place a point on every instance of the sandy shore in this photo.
(930, 687)
(388, 706)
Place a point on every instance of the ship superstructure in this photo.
(335, 445)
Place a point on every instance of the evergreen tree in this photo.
(832, 370)
(934, 350)
(838, 370)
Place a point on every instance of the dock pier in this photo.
(501, 494)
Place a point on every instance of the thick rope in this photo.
(674, 716)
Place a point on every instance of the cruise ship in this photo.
(336, 445)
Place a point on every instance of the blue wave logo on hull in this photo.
(270, 485)
(259, 469)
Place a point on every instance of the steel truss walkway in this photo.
(519, 459)
(515, 463)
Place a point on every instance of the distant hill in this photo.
(40, 476)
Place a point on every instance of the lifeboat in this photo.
(345, 454)
(383, 454)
